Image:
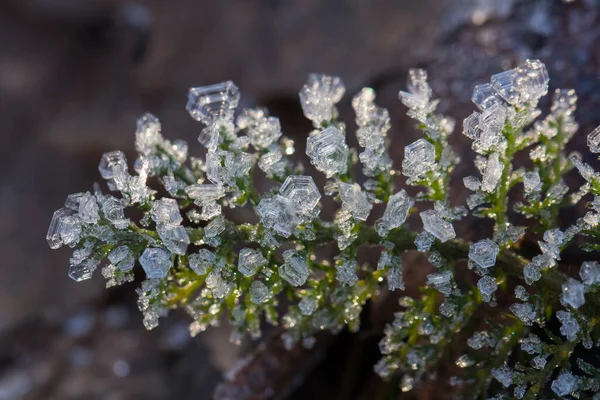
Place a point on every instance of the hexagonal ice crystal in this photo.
(487, 286)
(524, 84)
(295, 269)
(395, 213)
(82, 271)
(122, 258)
(484, 97)
(175, 238)
(593, 140)
(259, 292)
(114, 211)
(419, 92)
(328, 151)
(302, 191)
(250, 261)
(53, 237)
(278, 213)
(590, 272)
(437, 226)
(573, 293)
(156, 263)
(319, 96)
(209, 104)
(565, 384)
(88, 208)
(201, 261)
(419, 157)
(261, 129)
(484, 252)
(147, 134)
(492, 173)
(113, 165)
(166, 211)
(355, 200)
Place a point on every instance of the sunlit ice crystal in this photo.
(437, 226)
(395, 213)
(295, 269)
(368, 114)
(553, 240)
(219, 281)
(166, 211)
(584, 169)
(259, 292)
(82, 271)
(484, 252)
(531, 344)
(175, 238)
(261, 129)
(394, 277)
(532, 182)
(215, 227)
(53, 237)
(524, 312)
(201, 261)
(524, 84)
(503, 374)
(419, 157)
(487, 286)
(471, 126)
(88, 208)
(156, 263)
(319, 96)
(250, 261)
(590, 272)
(569, 325)
(478, 340)
(328, 151)
(302, 191)
(565, 384)
(539, 362)
(113, 166)
(147, 134)
(204, 192)
(355, 200)
(307, 305)
(419, 92)
(424, 240)
(593, 140)
(346, 272)
(573, 293)
(122, 258)
(114, 211)
(484, 96)
(210, 104)
(492, 173)
(278, 213)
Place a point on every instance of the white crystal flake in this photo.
(424, 240)
(156, 263)
(532, 182)
(122, 258)
(295, 269)
(487, 286)
(259, 292)
(302, 191)
(492, 173)
(437, 226)
(484, 97)
(214, 103)
(346, 272)
(573, 293)
(503, 374)
(319, 96)
(564, 384)
(328, 151)
(278, 213)
(250, 261)
(261, 129)
(525, 84)
(419, 93)
(355, 200)
(569, 325)
(201, 261)
(166, 211)
(147, 134)
(593, 140)
(590, 272)
(484, 252)
(419, 158)
(175, 238)
(524, 312)
(396, 212)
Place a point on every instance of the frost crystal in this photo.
(419, 93)
(484, 97)
(532, 182)
(487, 286)
(590, 272)
(302, 191)
(250, 261)
(201, 261)
(88, 208)
(524, 312)
(259, 292)
(492, 173)
(593, 140)
(478, 340)
(441, 281)
(156, 263)
(524, 84)
(419, 158)
(113, 165)
(570, 326)
(531, 344)
(114, 211)
(503, 374)
(122, 258)
(147, 134)
(346, 271)
(214, 103)
(538, 362)
(319, 96)
(328, 151)
(565, 384)
(355, 200)
(307, 305)
(395, 213)
(573, 293)
(295, 269)
(175, 238)
(166, 211)
(437, 226)
(424, 240)
(278, 213)
(484, 252)
(54, 235)
(472, 183)
(261, 129)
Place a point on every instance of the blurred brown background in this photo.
(74, 76)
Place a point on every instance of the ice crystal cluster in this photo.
(517, 323)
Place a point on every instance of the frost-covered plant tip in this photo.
(197, 259)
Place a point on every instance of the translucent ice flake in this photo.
(472, 183)
(259, 292)
(302, 191)
(531, 344)
(319, 96)
(564, 384)
(82, 271)
(525, 84)
(503, 374)
(53, 237)
(593, 140)
(166, 211)
(419, 92)
(483, 253)
(573, 293)
(569, 325)
(532, 182)
(355, 200)
(328, 151)
(419, 158)
(590, 272)
(88, 208)
(437, 226)
(478, 340)
(278, 213)
(156, 263)
(584, 169)
(201, 261)
(147, 134)
(487, 286)
(261, 129)
(175, 238)
(524, 312)
(113, 210)
(396, 212)
(113, 165)
(346, 271)
(307, 305)
(492, 173)
(295, 269)
(210, 104)
(484, 97)
(424, 240)
(122, 258)
(250, 261)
